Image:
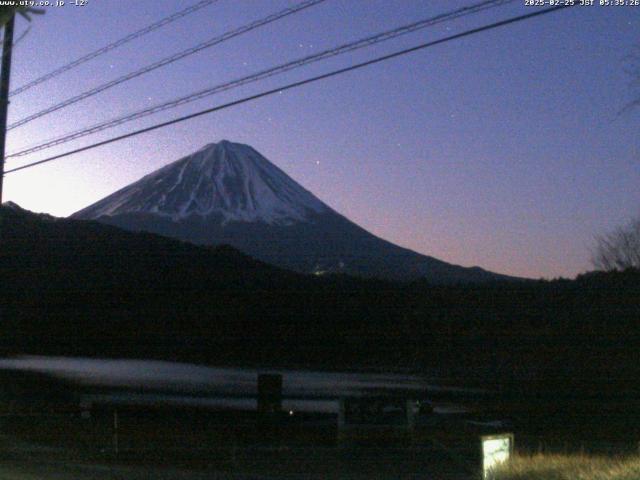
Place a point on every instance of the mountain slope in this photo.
(227, 193)
(85, 288)
(226, 181)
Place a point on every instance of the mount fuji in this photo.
(228, 193)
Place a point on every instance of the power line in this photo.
(114, 45)
(282, 68)
(21, 37)
(168, 60)
(297, 84)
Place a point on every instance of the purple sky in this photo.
(505, 150)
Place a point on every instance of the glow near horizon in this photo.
(446, 152)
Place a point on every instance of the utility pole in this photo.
(7, 46)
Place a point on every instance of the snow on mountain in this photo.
(227, 193)
(223, 179)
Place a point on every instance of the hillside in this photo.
(82, 288)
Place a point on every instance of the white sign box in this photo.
(496, 449)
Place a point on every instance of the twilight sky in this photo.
(506, 149)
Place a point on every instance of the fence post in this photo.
(116, 447)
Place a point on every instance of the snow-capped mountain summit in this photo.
(227, 181)
(227, 193)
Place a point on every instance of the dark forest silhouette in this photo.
(557, 348)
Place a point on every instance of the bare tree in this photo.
(619, 249)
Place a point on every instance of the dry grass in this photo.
(570, 467)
